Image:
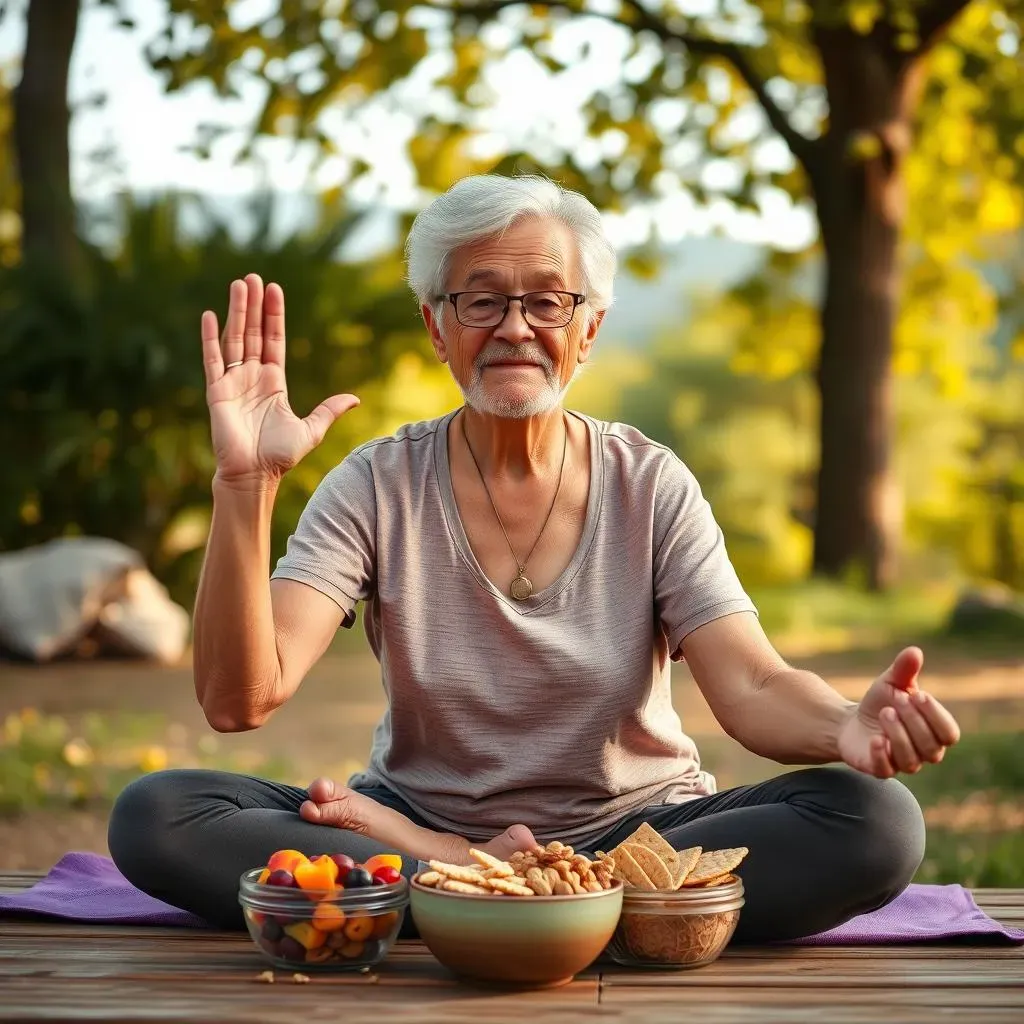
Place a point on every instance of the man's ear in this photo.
(434, 327)
(590, 336)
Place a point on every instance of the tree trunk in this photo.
(858, 187)
(41, 123)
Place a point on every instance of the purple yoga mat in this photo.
(87, 887)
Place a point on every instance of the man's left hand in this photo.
(897, 727)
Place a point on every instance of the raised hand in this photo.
(897, 727)
(256, 436)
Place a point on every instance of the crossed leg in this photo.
(826, 844)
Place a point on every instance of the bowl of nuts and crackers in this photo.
(545, 914)
(532, 921)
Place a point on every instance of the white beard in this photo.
(482, 398)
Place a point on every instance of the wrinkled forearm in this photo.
(235, 659)
(792, 716)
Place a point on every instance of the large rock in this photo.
(57, 596)
(990, 611)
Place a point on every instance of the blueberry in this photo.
(272, 931)
(358, 878)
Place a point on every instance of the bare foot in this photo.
(341, 807)
(513, 839)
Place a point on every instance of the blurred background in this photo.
(819, 206)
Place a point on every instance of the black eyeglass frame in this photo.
(577, 300)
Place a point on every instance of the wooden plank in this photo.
(881, 1006)
(321, 999)
(791, 967)
(57, 971)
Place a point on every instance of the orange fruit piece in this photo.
(328, 917)
(287, 860)
(383, 860)
(325, 861)
(306, 935)
(360, 928)
(317, 877)
(383, 924)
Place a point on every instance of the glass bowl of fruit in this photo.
(324, 912)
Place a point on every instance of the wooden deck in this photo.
(59, 972)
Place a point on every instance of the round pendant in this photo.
(521, 588)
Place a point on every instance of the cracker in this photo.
(509, 888)
(714, 863)
(719, 880)
(430, 878)
(495, 868)
(653, 866)
(647, 836)
(457, 872)
(451, 885)
(687, 862)
(630, 871)
(505, 871)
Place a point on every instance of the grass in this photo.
(816, 616)
(990, 763)
(45, 763)
(975, 805)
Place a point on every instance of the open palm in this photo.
(256, 435)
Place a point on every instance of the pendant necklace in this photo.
(521, 587)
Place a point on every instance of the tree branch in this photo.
(799, 144)
(935, 19)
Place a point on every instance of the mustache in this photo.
(497, 352)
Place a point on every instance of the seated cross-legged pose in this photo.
(529, 575)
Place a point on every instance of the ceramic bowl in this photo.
(520, 941)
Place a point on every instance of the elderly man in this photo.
(530, 574)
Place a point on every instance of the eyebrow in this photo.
(542, 280)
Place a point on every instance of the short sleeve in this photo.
(694, 580)
(333, 548)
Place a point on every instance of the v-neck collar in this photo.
(458, 532)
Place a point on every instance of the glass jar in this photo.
(337, 929)
(686, 928)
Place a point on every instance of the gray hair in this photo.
(484, 205)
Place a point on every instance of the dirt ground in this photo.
(327, 727)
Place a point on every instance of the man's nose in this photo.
(514, 327)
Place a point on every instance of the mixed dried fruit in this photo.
(327, 930)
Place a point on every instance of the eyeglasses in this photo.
(540, 309)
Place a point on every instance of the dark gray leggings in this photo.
(825, 844)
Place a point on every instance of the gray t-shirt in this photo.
(556, 711)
